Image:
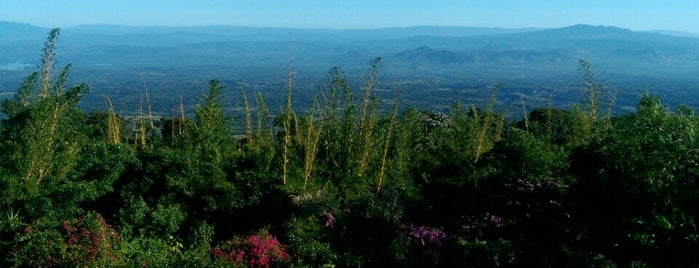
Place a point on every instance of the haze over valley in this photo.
(431, 67)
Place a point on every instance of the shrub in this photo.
(257, 250)
(81, 242)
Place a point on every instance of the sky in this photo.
(674, 15)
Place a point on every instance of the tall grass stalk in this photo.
(141, 134)
(348, 126)
(181, 127)
(593, 96)
(610, 110)
(57, 110)
(370, 83)
(500, 126)
(41, 142)
(150, 111)
(482, 134)
(594, 91)
(173, 133)
(368, 118)
(525, 115)
(392, 121)
(248, 118)
(262, 118)
(113, 127)
(549, 124)
(288, 117)
(51, 145)
(367, 142)
(48, 62)
(310, 143)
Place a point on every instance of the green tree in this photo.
(641, 184)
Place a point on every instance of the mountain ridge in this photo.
(428, 56)
(8, 29)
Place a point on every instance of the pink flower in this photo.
(258, 250)
(427, 235)
(497, 221)
(329, 219)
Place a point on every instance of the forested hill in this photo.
(341, 184)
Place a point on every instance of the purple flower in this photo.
(497, 221)
(329, 219)
(427, 235)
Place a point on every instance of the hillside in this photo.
(342, 183)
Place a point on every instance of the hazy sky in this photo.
(678, 15)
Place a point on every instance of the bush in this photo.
(257, 250)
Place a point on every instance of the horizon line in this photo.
(676, 32)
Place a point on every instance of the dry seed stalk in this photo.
(486, 123)
(113, 128)
(382, 170)
(248, 117)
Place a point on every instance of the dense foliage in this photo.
(341, 184)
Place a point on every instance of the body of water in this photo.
(15, 66)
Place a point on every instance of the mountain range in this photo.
(535, 63)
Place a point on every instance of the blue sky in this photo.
(678, 15)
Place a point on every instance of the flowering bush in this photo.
(427, 235)
(87, 241)
(91, 241)
(258, 250)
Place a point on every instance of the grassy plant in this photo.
(594, 96)
(145, 92)
(549, 124)
(525, 115)
(370, 83)
(392, 121)
(593, 91)
(289, 120)
(368, 119)
(263, 114)
(500, 125)
(610, 110)
(343, 133)
(48, 62)
(485, 126)
(212, 129)
(248, 118)
(51, 146)
(367, 146)
(182, 127)
(113, 124)
(311, 135)
(141, 128)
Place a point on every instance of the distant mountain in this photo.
(428, 56)
(587, 31)
(620, 51)
(13, 33)
(675, 33)
(410, 45)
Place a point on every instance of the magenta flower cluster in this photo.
(87, 243)
(329, 219)
(492, 219)
(258, 250)
(427, 235)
